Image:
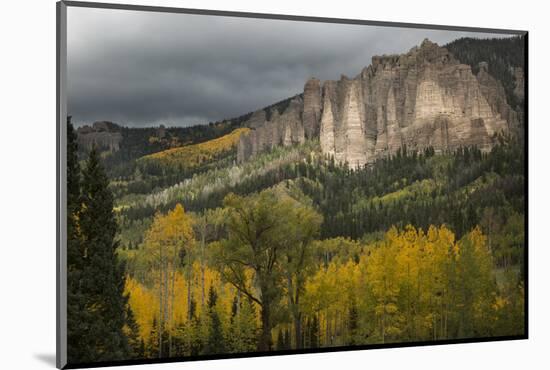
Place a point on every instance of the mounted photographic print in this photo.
(235, 184)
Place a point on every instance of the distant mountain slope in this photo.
(122, 145)
(457, 189)
(194, 155)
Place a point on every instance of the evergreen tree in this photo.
(76, 316)
(215, 342)
(196, 334)
(141, 349)
(102, 275)
(152, 346)
(353, 324)
(132, 333)
(179, 340)
(243, 332)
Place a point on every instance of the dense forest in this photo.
(292, 251)
(175, 249)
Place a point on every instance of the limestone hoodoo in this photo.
(423, 98)
(312, 107)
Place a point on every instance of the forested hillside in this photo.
(293, 251)
(177, 249)
(138, 142)
(171, 166)
(456, 218)
(189, 157)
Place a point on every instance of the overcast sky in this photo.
(144, 69)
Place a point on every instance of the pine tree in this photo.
(215, 342)
(76, 315)
(352, 323)
(180, 343)
(152, 346)
(141, 350)
(102, 276)
(243, 332)
(132, 333)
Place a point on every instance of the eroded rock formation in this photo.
(419, 99)
(104, 135)
(271, 128)
(312, 108)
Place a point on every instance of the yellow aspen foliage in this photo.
(190, 156)
(382, 274)
(412, 285)
(144, 305)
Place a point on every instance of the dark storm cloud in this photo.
(141, 69)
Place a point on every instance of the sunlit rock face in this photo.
(343, 129)
(312, 108)
(424, 98)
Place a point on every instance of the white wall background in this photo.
(27, 181)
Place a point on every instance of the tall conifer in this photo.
(215, 342)
(76, 323)
(102, 277)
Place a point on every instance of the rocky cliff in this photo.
(104, 135)
(274, 126)
(419, 99)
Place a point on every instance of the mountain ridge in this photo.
(423, 98)
(300, 117)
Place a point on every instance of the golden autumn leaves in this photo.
(408, 285)
(190, 156)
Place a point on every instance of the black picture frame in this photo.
(61, 157)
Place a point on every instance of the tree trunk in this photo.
(384, 313)
(160, 315)
(265, 338)
(409, 316)
(298, 330)
(203, 241)
(294, 301)
(160, 304)
(166, 299)
(172, 299)
(189, 267)
(327, 329)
